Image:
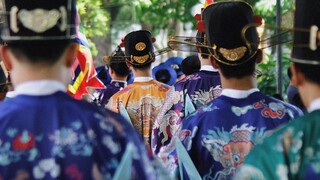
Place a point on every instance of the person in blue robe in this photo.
(45, 133)
(220, 134)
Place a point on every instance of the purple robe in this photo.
(201, 87)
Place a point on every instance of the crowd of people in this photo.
(201, 117)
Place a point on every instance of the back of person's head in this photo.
(139, 49)
(234, 47)
(39, 31)
(164, 74)
(306, 50)
(117, 62)
(36, 52)
(190, 64)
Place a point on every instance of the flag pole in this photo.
(279, 49)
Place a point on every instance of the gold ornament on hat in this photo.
(106, 59)
(140, 46)
(140, 59)
(41, 20)
(233, 54)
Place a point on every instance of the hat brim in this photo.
(190, 45)
(172, 72)
(106, 59)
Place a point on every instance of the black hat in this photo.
(202, 42)
(306, 32)
(139, 48)
(116, 57)
(231, 37)
(39, 20)
(190, 64)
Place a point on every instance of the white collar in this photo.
(208, 68)
(124, 82)
(10, 94)
(238, 94)
(39, 88)
(314, 105)
(142, 79)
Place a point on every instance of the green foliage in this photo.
(159, 13)
(267, 78)
(156, 14)
(94, 20)
(99, 15)
(267, 9)
(267, 73)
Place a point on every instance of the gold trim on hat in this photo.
(140, 59)
(106, 59)
(140, 46)
(233, 54)
(213, 52)
(40, 20)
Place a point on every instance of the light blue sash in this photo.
(188, 106)
(124, 112)
(185, 161)
(124, 169)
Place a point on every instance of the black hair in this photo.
(311, 72)
(278, 96)
(120, 68)
(35, 52)
(3, 81)
(142, 67)
(238, 71)
(203, 53)
(190, 65)
(163, 75)
(289, 73)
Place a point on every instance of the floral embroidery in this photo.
(111, 145)
(64, 137)
(11, 132)
(46, 166)
(68, 140)
(8, 156)
(24, 141)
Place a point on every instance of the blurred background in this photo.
(105, 22)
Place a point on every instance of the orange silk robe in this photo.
(142, 101)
